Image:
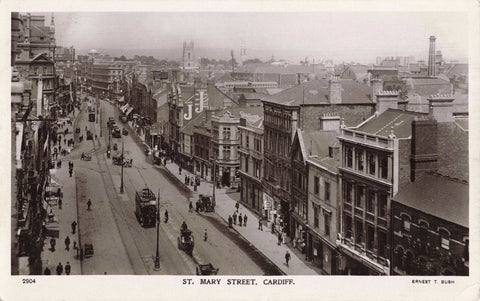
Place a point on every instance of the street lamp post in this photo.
(121, 181)
(157, 255)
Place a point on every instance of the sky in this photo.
(340, 36)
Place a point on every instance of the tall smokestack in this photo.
(431, 57)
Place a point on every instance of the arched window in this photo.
(444, 238)
(406, 221)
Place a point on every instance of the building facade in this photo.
(251, 164)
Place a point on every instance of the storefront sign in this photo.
(267, 202)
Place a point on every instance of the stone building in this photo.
(251, 163)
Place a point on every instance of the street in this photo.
(121, 245)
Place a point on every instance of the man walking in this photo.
(279, 238)
(240, 220)
(53, 242)
(89, 203)
(287, 257)
(260, 224)
(205, 235)
(74, 226)
(67, 243)
(59, 269)
(245, 220)
(68, 268)
(234, 218)
(229, 221)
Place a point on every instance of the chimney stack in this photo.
(335, 90)
(377, 85)
(431, 57)
(424, 154)
(387, 100)
(330, 122)
(441, 107)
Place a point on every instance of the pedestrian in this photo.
(234, 218)
(89, 203)
(240, 219)
(190, 207)
(70, 171)
(179, 170)
(59, 269)
(68, 268)
(166, 216)
(47, 271)
(65, 141)
(205, 235)
(60, 203)
(53, 242)
(279, 238)
(245, 220)
(273, 228)
(74, 226)
(186, 179)
(287, 257)
(237, 205)
(230, 221)
(260, 224)
(75, 245)
(67, 243)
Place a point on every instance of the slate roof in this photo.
(238, 112)
(453, 151)
(189, 127)
(457, 69)
(316, 92)
(216, 98)
(317, 142)
(439, 196)
(382, 124)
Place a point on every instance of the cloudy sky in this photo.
(341, 36)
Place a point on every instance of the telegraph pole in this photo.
(157, 255)
(121, 183)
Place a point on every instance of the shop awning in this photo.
(129, 111)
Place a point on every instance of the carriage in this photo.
(206, 269)
(205, 203)
(185, 241)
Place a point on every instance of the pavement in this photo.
(63, 218)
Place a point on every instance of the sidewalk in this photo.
(264, 240)
(63, 220)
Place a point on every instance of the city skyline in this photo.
(290, 36)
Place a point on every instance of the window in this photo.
(247, 141)
(327, 191)
(349, 156)
(226, 133)
(348, 192)
(370, 201)
(316, 185)
(358, 231)
(444, 239)
(406, 222)
(226, 152)
(359, 159)
(326, 221)
(371, 163)
(382, 205)
(246, 163)
(370, 237)
(383, 166)
(348, 226)
(360, 196)
(315, 216)
(382, 243)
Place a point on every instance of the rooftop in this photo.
(439, 196)
(316, 92)
(381, 125)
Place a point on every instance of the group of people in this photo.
(59, 269)
(192, 181)
(242, 219)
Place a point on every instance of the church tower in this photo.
(188, 61)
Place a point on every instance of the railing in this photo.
(366, 138)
